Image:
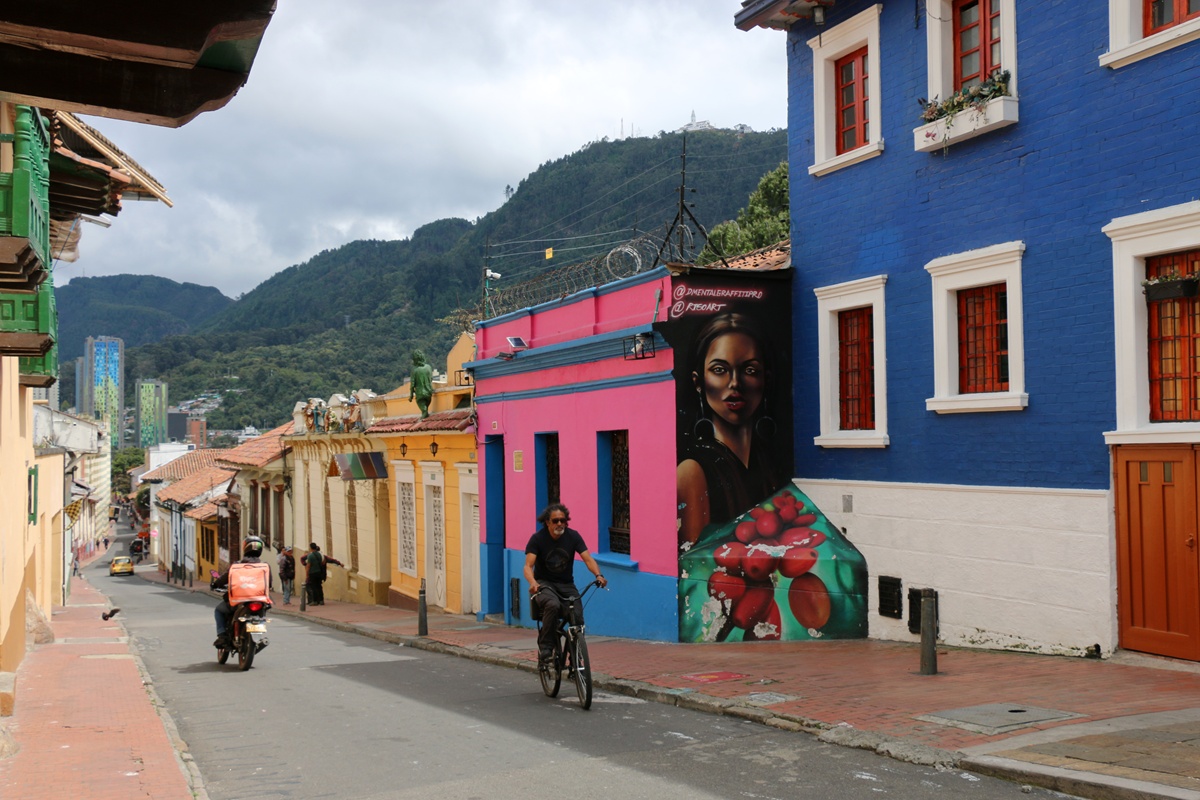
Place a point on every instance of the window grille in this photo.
(856, 369)
(619, 531)
(1174, 344)
(983, 339)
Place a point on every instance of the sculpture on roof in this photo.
(315, 415)
(352, 415)
(421, 383)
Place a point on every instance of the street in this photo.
(326, 714)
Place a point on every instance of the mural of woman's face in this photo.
(734, 378)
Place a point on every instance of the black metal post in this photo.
(928, 632)
(303, 596)
(422, 620)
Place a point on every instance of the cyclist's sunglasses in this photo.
(559, 520)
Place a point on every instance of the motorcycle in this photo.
(247, 631)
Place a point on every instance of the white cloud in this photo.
(367, 120)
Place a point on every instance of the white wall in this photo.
(1014, 568)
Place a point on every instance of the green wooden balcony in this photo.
(25, 206)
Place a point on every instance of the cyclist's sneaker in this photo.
(545, 659)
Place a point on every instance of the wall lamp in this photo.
(403, 449)
(433, 448)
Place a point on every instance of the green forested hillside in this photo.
(136, 308)
(349, 318)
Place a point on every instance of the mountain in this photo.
(349, 317)
(137, 308)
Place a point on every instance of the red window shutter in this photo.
(983, 339)
(856, 369)
(1173, 342)
(976, 41)
(853, 123)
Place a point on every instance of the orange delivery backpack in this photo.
(249, 582)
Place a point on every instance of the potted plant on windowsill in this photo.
(1171, 286)
(967, 113)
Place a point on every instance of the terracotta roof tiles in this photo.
(458, 419)
(185, 465)
(259, 451)
(187, 489)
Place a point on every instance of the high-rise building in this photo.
(151, 411)
(100, 384)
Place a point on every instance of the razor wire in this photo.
(624, 260)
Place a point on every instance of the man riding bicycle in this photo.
(549, 566)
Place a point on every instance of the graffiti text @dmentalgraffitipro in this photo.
(684, 297)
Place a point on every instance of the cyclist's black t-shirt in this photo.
(555, 559)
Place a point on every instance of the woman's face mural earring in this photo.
(703, 429)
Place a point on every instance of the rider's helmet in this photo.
(252, 547)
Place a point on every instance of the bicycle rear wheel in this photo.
(551, 674)
(582, 671)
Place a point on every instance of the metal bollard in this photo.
(422, 620)
(928, 632)
(303, 595)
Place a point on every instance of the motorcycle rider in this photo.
(252, 550)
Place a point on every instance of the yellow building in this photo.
(78, 62)
(338, 499)
(433, 489)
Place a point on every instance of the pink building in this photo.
(601, 400)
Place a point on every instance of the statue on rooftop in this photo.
(420, 383)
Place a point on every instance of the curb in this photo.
(1058, 779)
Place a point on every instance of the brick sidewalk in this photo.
(86, 727)
(1129, 728)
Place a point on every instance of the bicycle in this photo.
(570, 652)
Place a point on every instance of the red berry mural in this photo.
(796, 577)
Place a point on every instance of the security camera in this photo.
(492, 275)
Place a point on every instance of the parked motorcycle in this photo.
(247, 632)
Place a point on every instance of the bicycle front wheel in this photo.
(551, 674)
(582, 671)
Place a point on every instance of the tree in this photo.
(123, 461)
(763, 222)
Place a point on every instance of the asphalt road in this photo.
(325, 714)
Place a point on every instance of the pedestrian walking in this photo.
(287, 574)
(75, 566)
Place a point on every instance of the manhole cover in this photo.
(993, 718)
(767, 698)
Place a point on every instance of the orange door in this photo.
(1158, 572)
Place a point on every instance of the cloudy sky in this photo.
(369, 118)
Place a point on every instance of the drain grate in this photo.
(993, 718)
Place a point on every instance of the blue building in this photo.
(987, 399)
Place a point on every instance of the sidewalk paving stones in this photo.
(1117, 729)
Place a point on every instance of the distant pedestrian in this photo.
(287, 574)
(318, 570)
(75, 567)
(105, 542)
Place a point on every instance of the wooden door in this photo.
(1158, 571)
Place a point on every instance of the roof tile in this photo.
(259, 451)
(458, 419)
(187, 489)
(183, 466)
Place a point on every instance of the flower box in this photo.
(999, 112)
(1171, 290)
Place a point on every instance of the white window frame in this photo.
(831, 300)
(1134, 238)
(1000, 263)
(998, 113)
(405, 474)
(841, 40)
(1127, 45)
